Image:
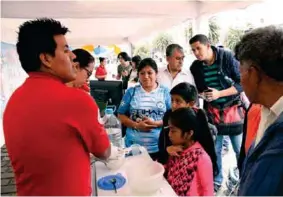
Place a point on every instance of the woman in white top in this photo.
(133, 76)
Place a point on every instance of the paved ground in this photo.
(7, 176)
(229, 161)
(8, 184)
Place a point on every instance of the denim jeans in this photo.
(236, 141)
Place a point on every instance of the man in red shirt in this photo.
(49, 128)
(101, 72)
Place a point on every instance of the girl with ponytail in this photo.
(191, 173)
(183, 95)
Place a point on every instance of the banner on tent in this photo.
(11, 73)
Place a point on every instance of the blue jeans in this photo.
(236, 141)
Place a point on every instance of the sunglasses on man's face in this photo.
(88, 72)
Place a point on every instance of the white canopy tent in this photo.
(112, 22)
(101, 23)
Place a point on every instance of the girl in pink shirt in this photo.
(191, 173)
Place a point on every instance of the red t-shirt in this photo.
(254, 117)
(49, 130)
(85, 87)
(100, 71)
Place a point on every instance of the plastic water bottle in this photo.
(113, 127)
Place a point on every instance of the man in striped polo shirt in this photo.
(217, 77)
(212, 80)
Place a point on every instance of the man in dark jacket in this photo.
(217, 78)
(261, 55)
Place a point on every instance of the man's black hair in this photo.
(264, 48)
(36, 37)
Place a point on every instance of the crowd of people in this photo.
(51, 123)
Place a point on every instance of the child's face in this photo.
(176, 136)
(178, 102)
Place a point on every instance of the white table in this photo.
(102, 170)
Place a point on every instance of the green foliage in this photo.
(233, 37)
(161, 42)
(188, 32)
(214, 31)
(142, 50)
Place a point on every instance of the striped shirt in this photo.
(153, 105)
(212, 80)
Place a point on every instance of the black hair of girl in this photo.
(136, 59)
(187, 119)
(148, 62)
(101, 59)
(185, 90)
(83, 57)
(124, 56)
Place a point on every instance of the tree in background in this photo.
(213, 35)
(161, 42)
(142, 50)
(234, 35)
(189, 32)
(214, 31)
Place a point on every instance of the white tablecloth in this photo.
(102, 170)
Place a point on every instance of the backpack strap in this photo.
(133, 94)
(124, 128)
(197, 72)
(129, 76)
(223, 56)
(221, 59)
